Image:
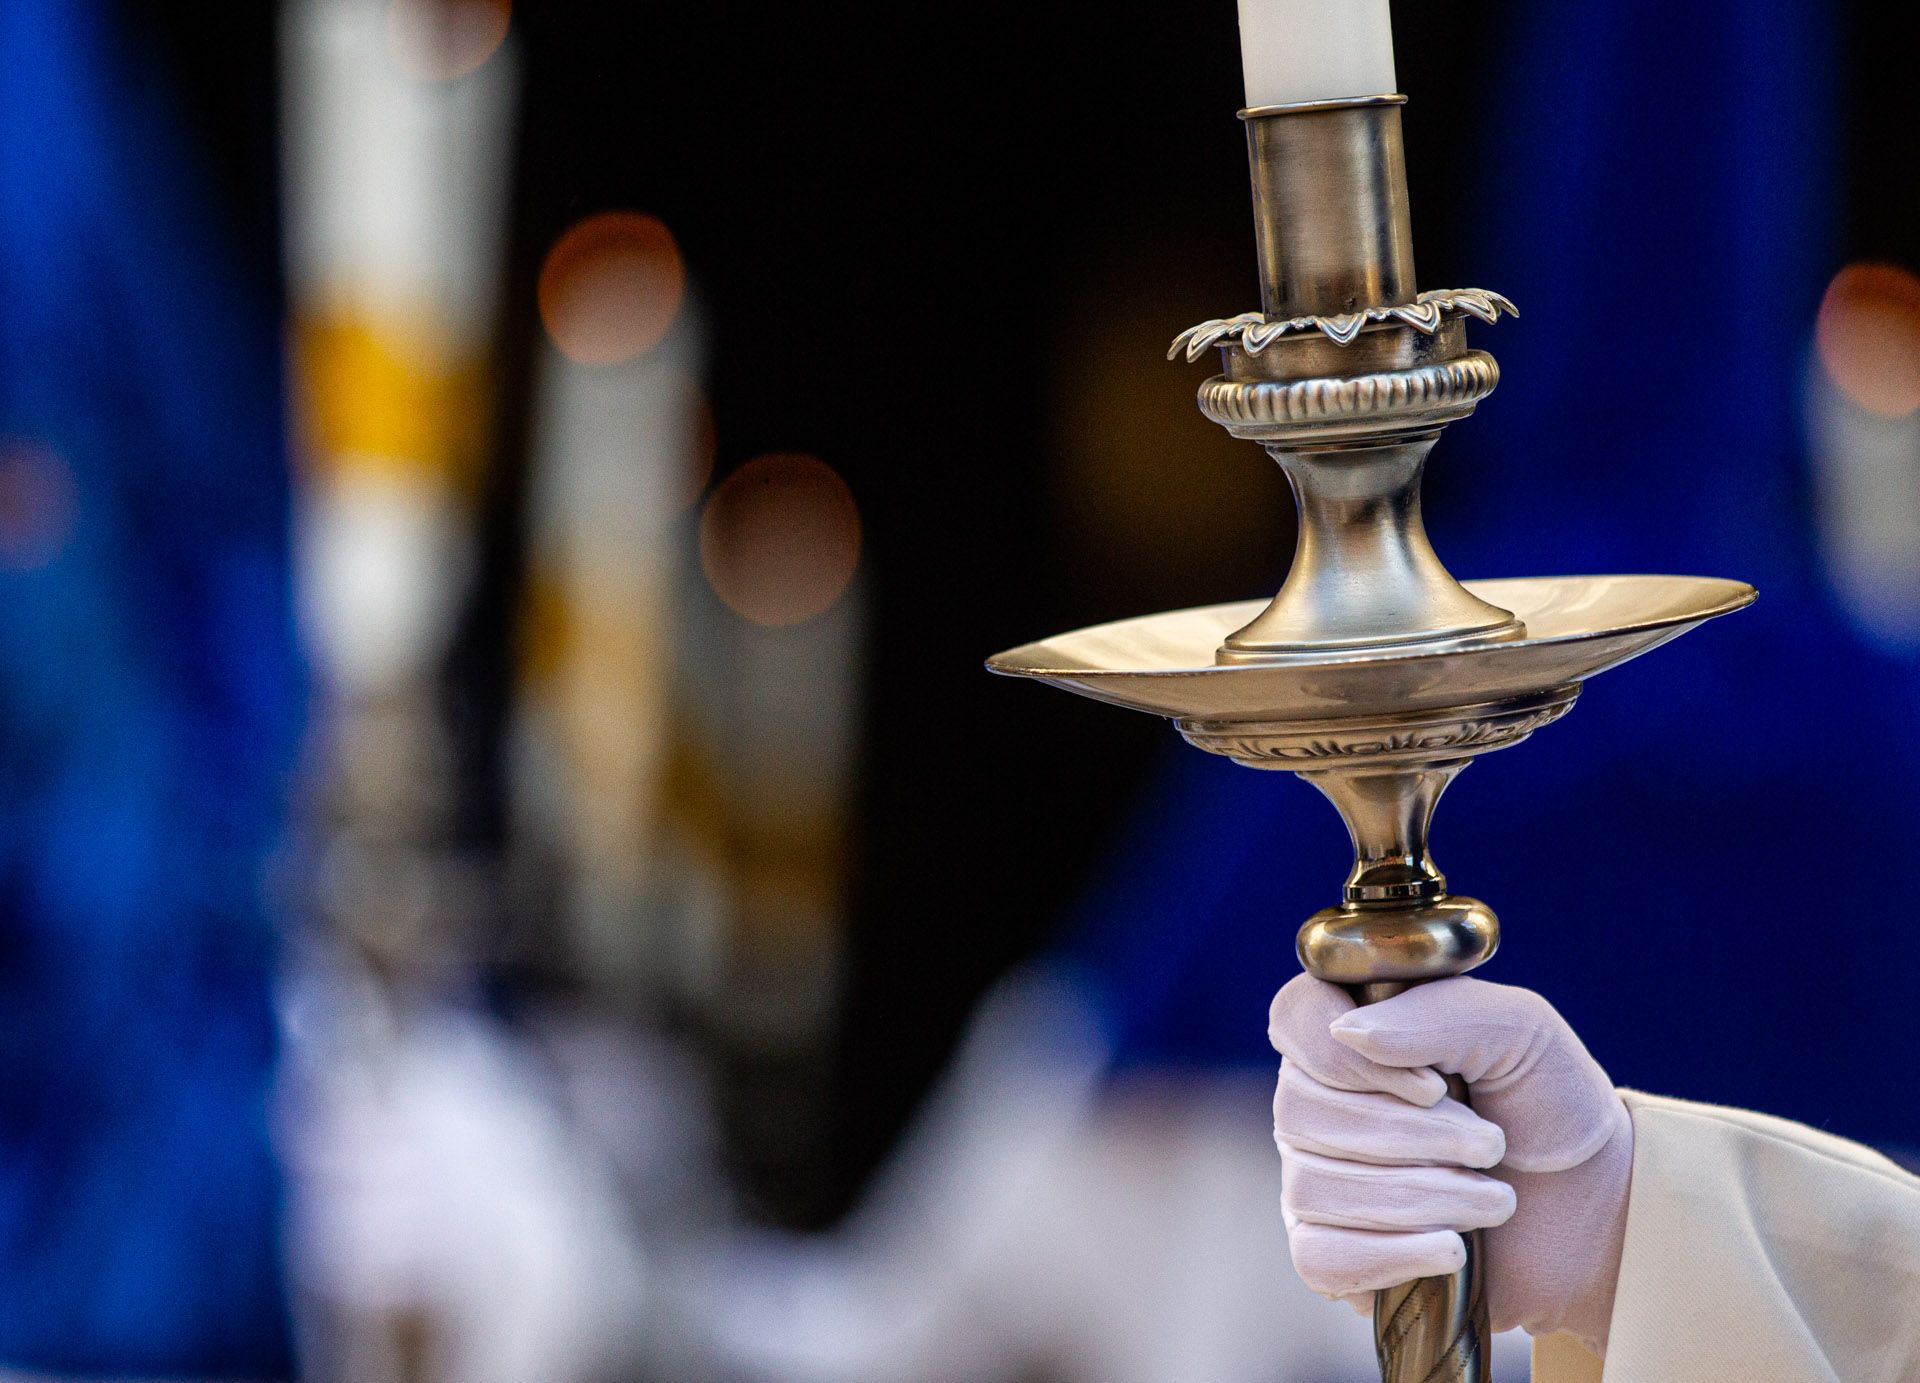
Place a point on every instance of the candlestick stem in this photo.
(1399, 927)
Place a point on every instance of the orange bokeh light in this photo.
(1868, 337)
(779, 540)
(611, 287)
(39, 504)
(439, 40)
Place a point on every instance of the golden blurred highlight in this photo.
(439, 40)
(548, 630)
(611, 287)
(1868, 337)
(780, 539)
(1167, 508)
(388, 395)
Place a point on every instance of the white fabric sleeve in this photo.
(1757, 1250)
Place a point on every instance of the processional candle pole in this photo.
(1373, 674)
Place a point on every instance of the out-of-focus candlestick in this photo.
(1315, 50)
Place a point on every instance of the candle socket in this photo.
(1330, 207)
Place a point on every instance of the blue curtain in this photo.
(1695, 866)
(149, 700)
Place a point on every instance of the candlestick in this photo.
(1315, 50)
(1374, 674)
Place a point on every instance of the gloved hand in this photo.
(1382, 1172)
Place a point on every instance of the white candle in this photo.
(1315, 50)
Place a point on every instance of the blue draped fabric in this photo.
(1701, 866)
(149, 699)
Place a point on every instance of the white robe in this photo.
(1757, 1250)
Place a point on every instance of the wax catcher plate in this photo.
(1577, 627)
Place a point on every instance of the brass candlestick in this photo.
(1374, 674)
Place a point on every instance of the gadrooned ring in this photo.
(1432, 394)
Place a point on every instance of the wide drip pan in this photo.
(1577, 627)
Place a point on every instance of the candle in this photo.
(1315, 50)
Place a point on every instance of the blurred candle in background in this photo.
(1315, 50)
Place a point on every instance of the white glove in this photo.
(1378, 1186)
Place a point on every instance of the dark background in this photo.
(922, 234)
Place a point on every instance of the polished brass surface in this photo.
(1349, 410)
(1398, 927)
(1364, 574)
(1255, 332)
(1380, 740)
(1380, 349)
(1577, 627)
(1357, 946)
(1351, 429)
(1330, 210)
(1389, 98)
(1373, 674)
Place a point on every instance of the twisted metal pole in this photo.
(1436, 1330)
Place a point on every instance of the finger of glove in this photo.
(1358, 1195)
(1299, 1025)
(1364, 1126)
(1345, 1263)
(1528, 1070)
